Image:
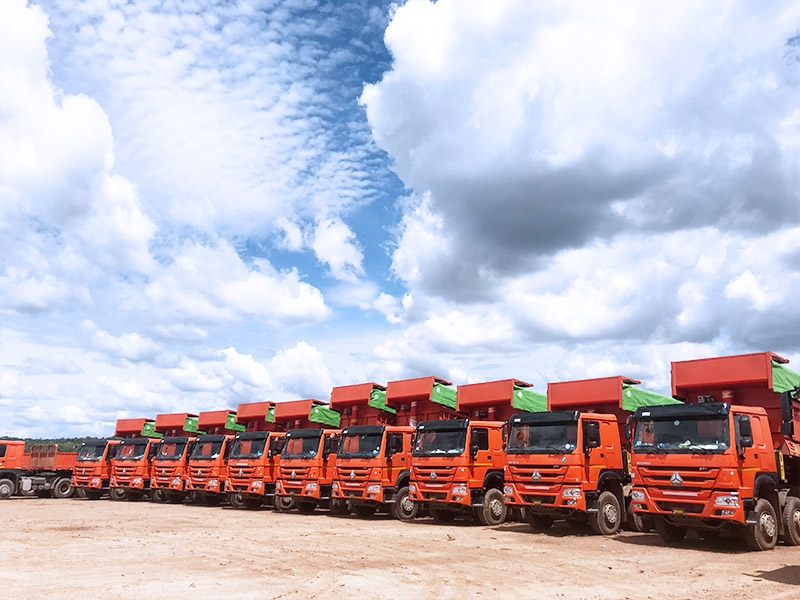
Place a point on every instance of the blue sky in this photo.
(206, 203)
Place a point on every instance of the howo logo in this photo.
(536, 475)
(433, 474)
(241, 472)
(676, 479)
(293, 474)
(352, 475)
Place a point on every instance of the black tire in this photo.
(607, 519)
(671, 534)
(236, 500)
(253, 502)
(211, 499)
(284, 503)
(117, 494)
(763, 534)
(365, 510)
(441, 515)
(791, 521)
(93, 494)
(539, 523)
(641, 523)
(494, 510)
(176, 497)
(7, 488)
(339, 507)
(134, 495)
(404, 509)
(159, 495)
(306, 507)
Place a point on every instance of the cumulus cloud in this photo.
(302, 370)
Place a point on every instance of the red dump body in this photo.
(489, 401)
(412, 398)
(47, 457)
(44, 471)
(352, 403)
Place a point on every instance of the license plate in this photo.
(678, 511)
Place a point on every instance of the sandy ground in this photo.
(83, 549)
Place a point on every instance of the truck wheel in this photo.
(365, 510)
(117, 494)
(284, 503)
(176, 497)
(63, 488)
(405, 508)
(253, 503)
(791, 521)
(236, 500)
(539, 523)
(6, 488)
(93, 494)
(339, 507)
(440, 515)
(306, 507)
(159, 495)
(606, 520)
(763, 534)
(493, 511)
(672, 534)
(134, 495)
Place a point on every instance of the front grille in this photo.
(353, 473)
(690, 508)
(299, 472)
(546, 474)
(435, 473)
(531, 499)
(698, 479)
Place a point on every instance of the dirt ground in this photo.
(82, 549)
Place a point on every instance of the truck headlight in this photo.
(176, 481)
(212, 483)
(637, 495)
(95, 481)
(412, 488)
(571, 492)
(311, 485)
(727, 501)
(374, 488)
(508, 490)
(335, 486)
(461, 490)
(137, 481)
(256, 485)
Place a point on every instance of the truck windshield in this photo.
(436, 442)
(543, 438)
(360, 445)
(91, 452)
(132, 449)
(249, 447)
(207, 450)
(169, 450)
(690, 435)
(301, 446)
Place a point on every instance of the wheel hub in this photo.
(610, 514)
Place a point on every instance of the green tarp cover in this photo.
(634, 397)
(377, 399)
(191, 424)
(231, 424)
(444, 394)
(324, 415)
(149, 430)
(783, 378)
(528, 400)
(271, 414)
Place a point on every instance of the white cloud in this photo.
(334, 244)
(302, 370)
(130, 346)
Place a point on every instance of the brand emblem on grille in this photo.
(676, 479)
(163, 471)
(241, 472)
(293, 474)
(352, 475)
(123, 471)
(433, 474)
(536, 475)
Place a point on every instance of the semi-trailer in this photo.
(207, 472)
(373, 465)
(457, 464)
(569, 462)
(92, 472)
(729, 458)
(171, 461)
(254, 458)
(131, 468)
(308, 457)
(45, 471)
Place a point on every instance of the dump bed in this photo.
(218, 422)
(47, 457)
(756, 379)
(129, 428)
(256, 416)
(176, 424)
(362, 404)
(422, 399)
(498, 400)
(305, 414)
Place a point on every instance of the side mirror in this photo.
(473, 450)
(744, 433)
(591, 435)
(629, 427)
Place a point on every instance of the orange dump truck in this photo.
(254, 458)
(570, 462)
(45, 471)
(457, 464)
(171, 462)
(92, 471)
(207, 473)
(308, 457)
(727, 459)
(373, 465)
(131, 468)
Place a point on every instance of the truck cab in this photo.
(727, 459)
(308, 458)
(207, 472)
(171, 461)
(131, 468)
(457, 463)
(570, 463)
(92, 471)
